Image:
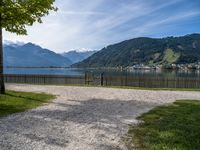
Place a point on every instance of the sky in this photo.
(93, 24)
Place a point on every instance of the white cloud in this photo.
(80, 24)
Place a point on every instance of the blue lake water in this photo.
(78, 72)
(45, 71)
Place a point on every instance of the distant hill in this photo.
(76, 56)
(149, 51)
(31, 55)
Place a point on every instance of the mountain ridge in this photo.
(76, 56)
(145, 50)
(32, 55)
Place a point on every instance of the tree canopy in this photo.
(17, 14)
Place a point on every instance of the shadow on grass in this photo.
(24, 97)
(7, 109)
(13, 102)
(176, 126)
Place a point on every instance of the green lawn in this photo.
(13, 102)
(155, 89)
(173, 127)
(134, 88)
(124, 87)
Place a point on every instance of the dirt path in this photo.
(80, 118)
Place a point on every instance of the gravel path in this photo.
(80, 118)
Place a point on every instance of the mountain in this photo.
(149, 51)
(31, 55)
(76, 56)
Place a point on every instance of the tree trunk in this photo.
(2, 85)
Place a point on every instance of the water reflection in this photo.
(78, 72)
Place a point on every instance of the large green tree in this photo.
(15, 16)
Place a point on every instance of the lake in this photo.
(79, 72)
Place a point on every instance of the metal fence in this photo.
(44, 79)
(153, 82)
(107, 80)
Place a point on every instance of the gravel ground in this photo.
(81, 118)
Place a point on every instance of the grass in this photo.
(124, 87)
(155, 89)
(134, 88)
(13, 102)
(170, 56)
(172, 127)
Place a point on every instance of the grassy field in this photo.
(172, 127)
(125, 87)
(170, 56)
(13, 102)
(134, 88)
(156, 89)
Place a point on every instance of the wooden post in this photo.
(85, 78)
(102, 77)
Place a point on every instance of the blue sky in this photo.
(94, 24)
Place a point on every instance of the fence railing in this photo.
(44, 79)
(107, 80)
(153, 82)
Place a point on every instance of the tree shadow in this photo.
(25, 97)
(94, 110)
(109, 118)
(8, 109)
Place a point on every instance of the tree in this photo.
(15, 16)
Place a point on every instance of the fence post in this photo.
(85, 78)
(126, 79)
(101, 76)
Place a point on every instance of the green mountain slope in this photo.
(181, 50)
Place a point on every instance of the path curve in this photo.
(81, 118)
